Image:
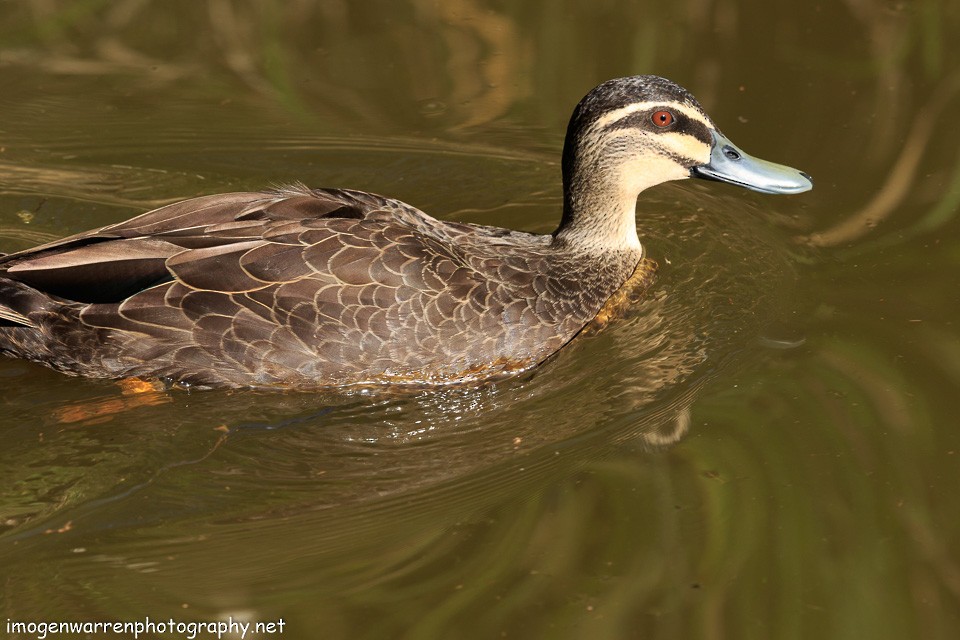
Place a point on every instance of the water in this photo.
(766, 446)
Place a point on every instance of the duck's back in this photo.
(298, 288)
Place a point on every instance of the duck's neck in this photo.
(600, 201)
(600, 190)
(599, 217)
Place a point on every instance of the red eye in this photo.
(662, 118)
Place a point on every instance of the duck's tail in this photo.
(16, 302)
(22, 313)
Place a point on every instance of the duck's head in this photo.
(632, 133)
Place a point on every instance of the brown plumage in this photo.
(314, 288)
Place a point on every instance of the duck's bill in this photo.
(729, 164)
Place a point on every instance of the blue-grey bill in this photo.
(729, 164)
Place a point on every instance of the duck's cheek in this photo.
(637, 174)
(683, 148)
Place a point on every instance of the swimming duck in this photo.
(313, 288)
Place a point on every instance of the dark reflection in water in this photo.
(766, 445)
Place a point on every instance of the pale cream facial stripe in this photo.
(680, 144)
(622, 112)
(685, 145)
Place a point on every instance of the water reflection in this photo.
(902, 180)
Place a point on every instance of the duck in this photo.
(306, 288)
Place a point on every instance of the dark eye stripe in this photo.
(681, 124)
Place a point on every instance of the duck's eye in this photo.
(662, 118)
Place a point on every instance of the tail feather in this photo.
(9, 317)
(16, 302)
